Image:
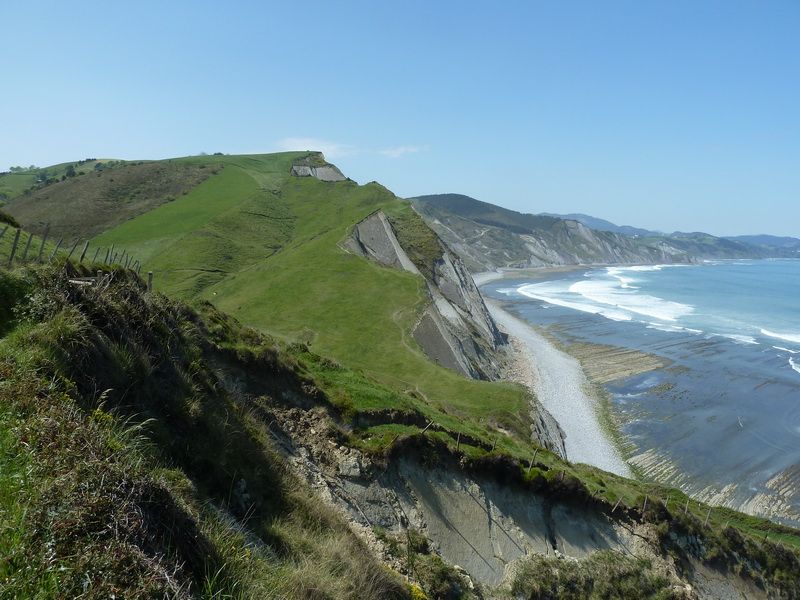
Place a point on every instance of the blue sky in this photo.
(669, 115)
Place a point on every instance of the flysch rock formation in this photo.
(455, 329)
(325, 172)
(476, 522)
(472, 521)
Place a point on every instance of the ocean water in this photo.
(723, 420)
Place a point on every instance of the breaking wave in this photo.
(794, 365)
(615, 297)
(787, 337)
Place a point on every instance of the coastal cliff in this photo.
(489, 237)
(455, 328)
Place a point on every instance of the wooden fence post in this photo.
(13, 248)
(96, 252)
(75, 245)
(55, 250)
(150, 288)
(458, 441)
(533, 460)
(83, 254)
(108, 251)
(2, 233)
(44, 239)
(27, 247)
(707, 516)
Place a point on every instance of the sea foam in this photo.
(787, 337)
(552, 297)
(611, 294)
(781, 348)
(794, 365)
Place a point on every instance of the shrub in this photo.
(8, 219)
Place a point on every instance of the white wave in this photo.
(795, 366)
(672, 328)
(531, 292)
(788, 337)
(645, 268)
(609, 293)
(507, 291)
(625, 282)
(786, 350)
(663, 327)
(744, 339)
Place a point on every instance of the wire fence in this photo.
(27, 247)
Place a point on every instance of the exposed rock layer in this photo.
(455, 329)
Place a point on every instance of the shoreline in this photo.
(533, 273)
(560, 386)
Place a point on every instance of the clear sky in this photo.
(672, 115)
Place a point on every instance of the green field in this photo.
(265, 247)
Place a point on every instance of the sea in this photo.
(722, 420)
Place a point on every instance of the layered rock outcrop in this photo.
(316, 166)
(455, 329)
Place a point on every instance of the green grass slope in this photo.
(85, 205)
(14, 184)
(123, 448)
(265, 246)
(128, 471)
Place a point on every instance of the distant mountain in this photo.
(768, 241)
(603, 225)
(488, 237)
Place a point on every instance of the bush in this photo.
(8, 219)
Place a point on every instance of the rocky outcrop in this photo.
(455, 329)
(482, 525)
(471, 520)
(374, 238)
(316, 166)
(326, 173)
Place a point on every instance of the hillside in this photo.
(603, 225)
(23, 180)
(152, 450)
(490, 237)
(90, 203)
(268, 246)
(354, 443)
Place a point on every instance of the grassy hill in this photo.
(265, 246)
(85, 205)
(90, 367)
(17, 183)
